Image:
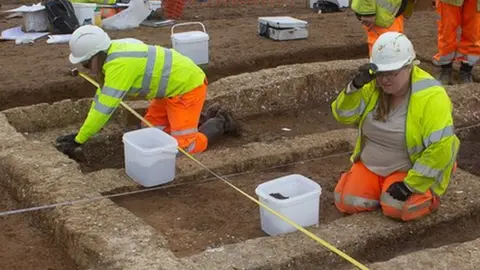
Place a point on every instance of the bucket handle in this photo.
(188, 23)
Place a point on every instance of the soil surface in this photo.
(106, 150)
(469, 155)
(194, 217)
(239, 49)
(23, 247)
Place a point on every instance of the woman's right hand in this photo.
(363, 75)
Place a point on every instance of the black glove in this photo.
(399, 191)
(67, 144)
(363, 75)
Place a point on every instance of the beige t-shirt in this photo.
(384, 150)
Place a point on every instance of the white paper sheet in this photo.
(19, 36)
(53, 39)
(32, 8)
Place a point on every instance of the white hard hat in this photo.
(86, 41)
(392, 51)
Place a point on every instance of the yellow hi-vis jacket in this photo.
(430, 140)
(137, 69)
(459, 3)
(384, 10)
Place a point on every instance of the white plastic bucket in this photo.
(302, 205)
(85, 12)
(150, 156)
(193, 44)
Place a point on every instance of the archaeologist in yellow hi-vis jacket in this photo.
(406, 149)
(380, 16)
(174, 83)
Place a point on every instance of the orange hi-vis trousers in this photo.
(376, 31)
(179, 116)
(361, 190)
(451, 18)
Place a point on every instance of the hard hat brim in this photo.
(389, 67)
(76, 60)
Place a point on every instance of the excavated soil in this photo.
(24, 247)
(106, 151)
(41, 70)
(469, 155)
(208, 215)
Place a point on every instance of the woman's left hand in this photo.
(399, 191)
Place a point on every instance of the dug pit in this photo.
(197, 217)
(179, 212)
(106, 150)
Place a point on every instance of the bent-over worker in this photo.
(174, 83)
(380, 16)
(406, 149)
(454, 14)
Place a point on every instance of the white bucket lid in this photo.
(191, 36)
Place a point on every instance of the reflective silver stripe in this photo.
(438, 135)
(102, 108)
(353, 112)
(427, 171)
(147, 76)
(134, 90)
(112, 92)
(452, 160)
(151, 56)
(337, 196)
(159, 127)
(359, 201)
(472, 59)
(386, 199)
(184, 132)
(424, 84)
(415, 150)
(131, 54)
(444, 59)
(388, 6)
(190, 147)
(167, 68)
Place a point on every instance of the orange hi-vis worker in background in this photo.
(174, 83)
(406, 149)
(380, 16)
(454, 14)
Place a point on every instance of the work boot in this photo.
(446, 74)
(210, 112)
(466, 73)
(231, 126)
(213, 128)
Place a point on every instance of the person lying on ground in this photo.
(174, 83)
(406, 149)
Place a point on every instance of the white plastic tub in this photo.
(85, 12)
(302, 205)
(150, 156)
(193, 44)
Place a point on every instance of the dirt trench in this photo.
(106, 149)
(24, 247)
(195, 217)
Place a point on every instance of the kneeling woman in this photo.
(406, 149)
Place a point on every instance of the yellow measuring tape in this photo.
(300, 228)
